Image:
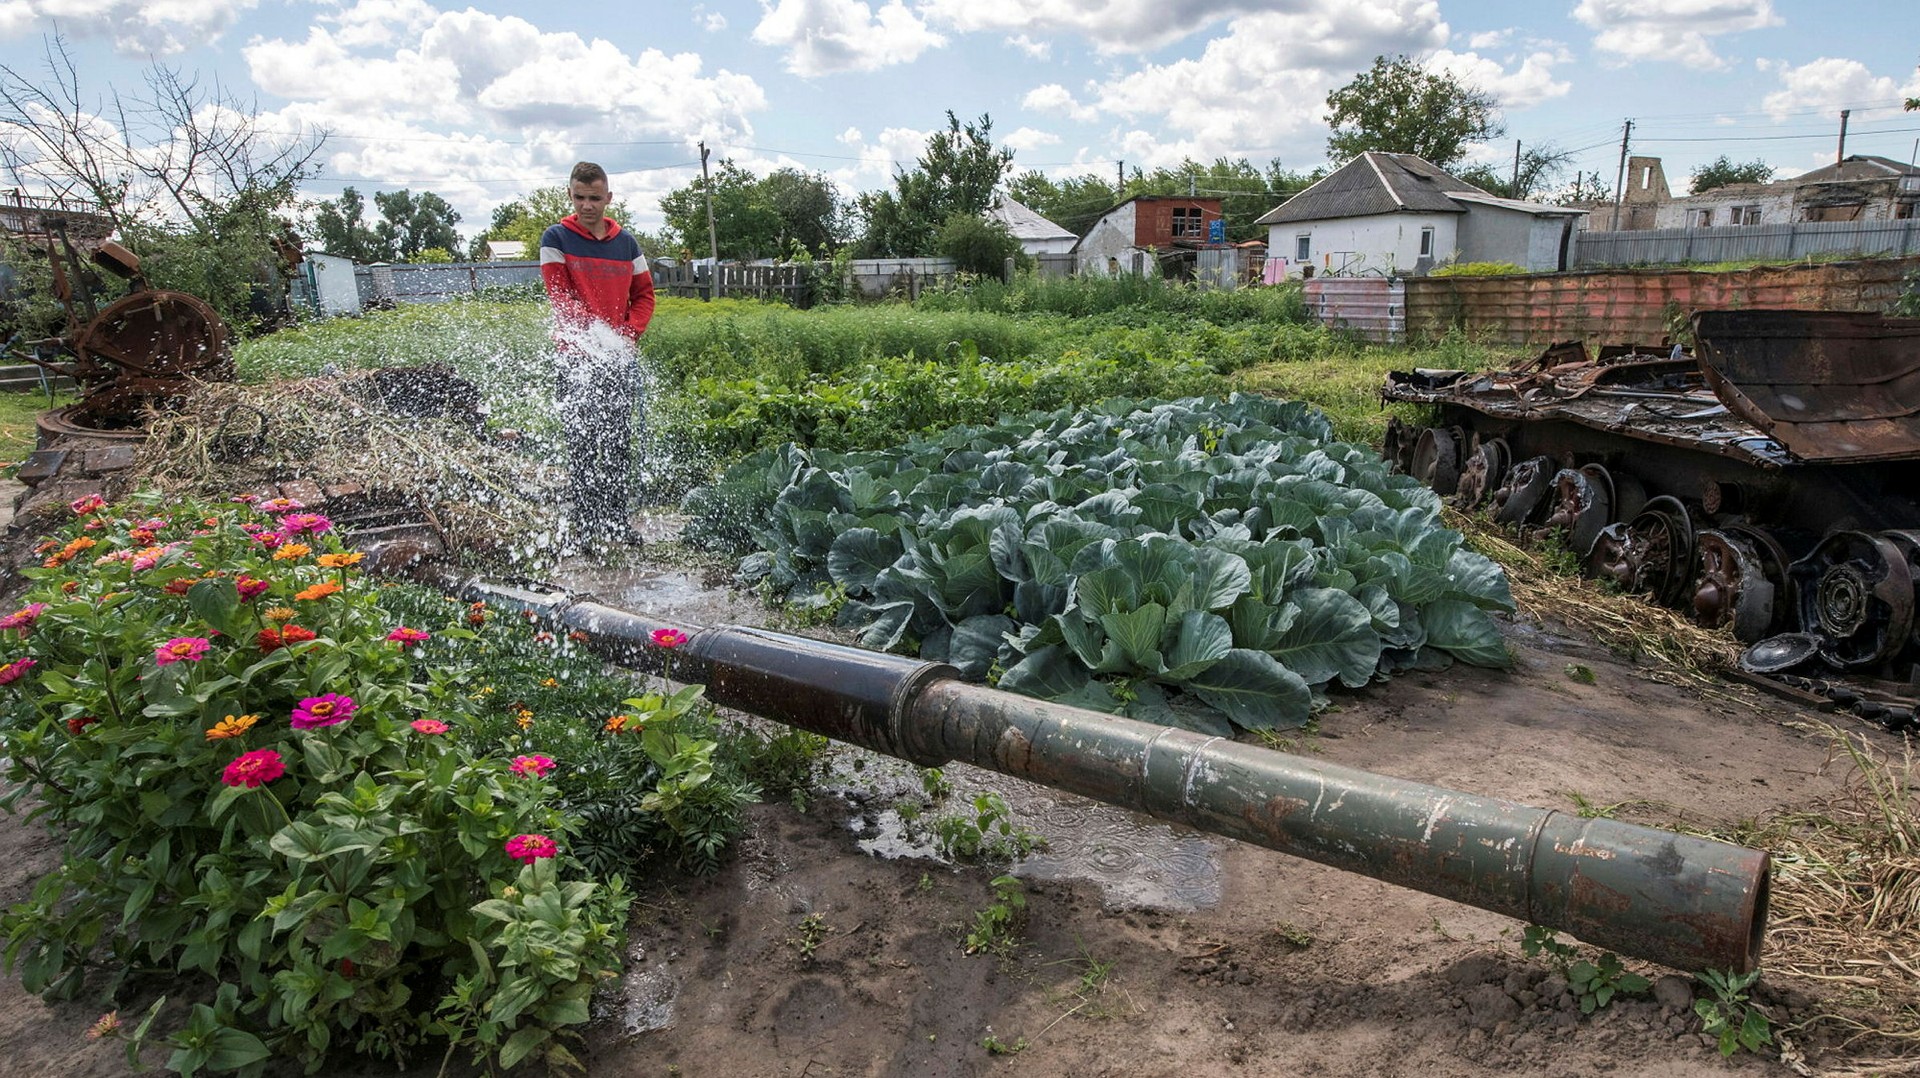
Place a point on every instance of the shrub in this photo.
(261, 779)
(1476, 269)
(978, 245)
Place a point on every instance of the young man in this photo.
(602, 294)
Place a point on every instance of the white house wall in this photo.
(1058, 246)
(1775, 202)
(1379, 245)
(1111, 238)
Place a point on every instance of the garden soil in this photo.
(1148, 949)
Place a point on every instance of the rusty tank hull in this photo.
(1679, 900)
(1765, 482)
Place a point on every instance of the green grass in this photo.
(17, 432)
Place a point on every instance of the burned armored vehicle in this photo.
(1768, 480)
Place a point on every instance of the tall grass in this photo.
(1080, 297)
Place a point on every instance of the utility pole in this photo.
(713, 237)
(1513, 186)
(1620, 179)
(1841, 155)
(1120, 178)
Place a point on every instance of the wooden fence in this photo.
(792, 284)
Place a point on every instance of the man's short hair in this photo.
(587, 172)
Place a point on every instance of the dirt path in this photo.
(1149, 949)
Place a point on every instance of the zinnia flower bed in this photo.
(266, 779)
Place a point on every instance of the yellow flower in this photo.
(340, 561)
(278, 613)
(549, 684)
(524, 718)
(290, 551)
(616, 724)
(232, 726)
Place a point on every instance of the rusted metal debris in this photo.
(1680, 900)
(1765, 483)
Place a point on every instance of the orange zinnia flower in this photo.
(339, 561)
(231, 726)
(318, 591)
(290, 551)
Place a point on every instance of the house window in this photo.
(1303, 248)
(1745, 215)
(1703, 218)
(1188, 221)
(1426, 243)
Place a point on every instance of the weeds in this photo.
(987, 833)
(813, 930)
(1581, 673)
(1595, 983)
(1730, 1015)
(997, 927)
(998, 1047)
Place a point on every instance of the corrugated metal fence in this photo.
(1640, 306)
(1733, 244)
(1373, 307)
(408, 282)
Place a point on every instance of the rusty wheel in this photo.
(1579, 507)
(1615, 557)
(1731, 585)
(1662, 539)
(1855, 591)
(1436, 460)
(1396, 442)
(156, 335)
(1481, 474)
(1522, 491)
(1908, 543)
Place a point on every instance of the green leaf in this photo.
(858, 555)
(233, 1049)
(521, 1045)
(1138, 632)
(1201, 640)
(1466, 632)
(1254, 690)
(215, 602)
(1332, 638)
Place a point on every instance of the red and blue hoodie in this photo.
(603, 279)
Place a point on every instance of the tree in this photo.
(808, 206)
(186, 175)
(1397, 106)
(1074, 203)
(1539, 167)
(339, 226)
(978, 244)
(745, 225)
(957, 174)
(410, 224)
(1586, 187)
(1722, 172)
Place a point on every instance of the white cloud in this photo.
(1829, 83)
(1490, 39)
(711, 21)
(1112, 25)
(826, 36)
(1029, 138)
(137, 27)
(1054, 97)
(1674, 30)
(1038, 50)
(1529, 84)
(1262, 87)
(377, 22)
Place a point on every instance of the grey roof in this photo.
(1375, 183)
(1026, 224)
(1856, 168)
(1538, 209)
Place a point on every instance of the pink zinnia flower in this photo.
(23, 618)
(282, 505)
(91, 503)
(317, 711)
(295, 523)
(181, 649)
(16, 670)
(430, 726)
(532, 767)
(256, 768)
(404, 636)
(668, 638)
(246, 499)
(268, 539)
(251, 588)
(527, 849)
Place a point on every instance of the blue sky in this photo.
(483, 104)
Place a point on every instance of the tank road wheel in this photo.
(1579, 507)
(1391, 441)
(1855, 591)
(1908, 543)
(1522, 491)
(1730, 585)
(157, 334)
(1662, 538)
(1436, 460)
(1484, 469)
(1614, 557)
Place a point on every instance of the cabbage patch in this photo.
(1202, 562)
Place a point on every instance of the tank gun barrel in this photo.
(1680, 900)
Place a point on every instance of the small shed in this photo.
(1037, 235)
(505, 250)
(331, 286)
